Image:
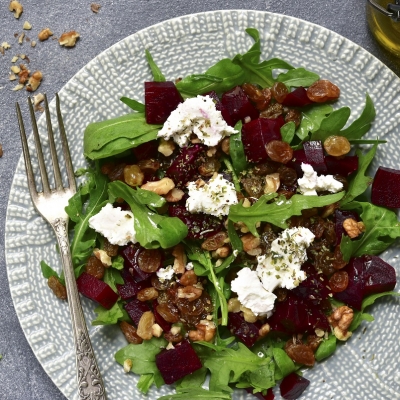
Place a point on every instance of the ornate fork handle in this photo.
(90, 383)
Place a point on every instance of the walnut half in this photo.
(341, 319)
(68, 39)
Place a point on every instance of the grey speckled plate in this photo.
(368, 365)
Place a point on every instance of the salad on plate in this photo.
(226, 226)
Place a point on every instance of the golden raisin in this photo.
(273, 111)
(323, 91)
(149, 166)
(279, 92)
(147, 294)
(279, 151)
(337, 146)
(260, 97)
(209, 167)
(133, 175)
(149, 260)
(293, 116)
(300, 353)
(339, 281)
(215, 241)
(169, 312)
(95, 267)
(110, 249)
(129, 332)
(57, 287)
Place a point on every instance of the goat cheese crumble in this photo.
(311, 183)
(281, 268)
(214, 197)
(165, 273)
(196, 115)
(114, 224)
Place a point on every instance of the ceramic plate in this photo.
(363, 368)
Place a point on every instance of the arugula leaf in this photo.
(359, 182)
(360, 316)
(236, 150)
(143, 358)
(382, 228)
(47, 272)
(226, 365)
(81, 207)
(260, 379)
(110, 137)
(326, 348)
(134, 104)
(157, 74)
(278, 211)
(312, 118)
(195, 379)
(288, 131)
(284, 364)
(297, 77)
(112, 316)
(145, 382)
(363, 123)
(234, 238)
(112, 276)
(332, 124)
(152, 230)
(197, 393)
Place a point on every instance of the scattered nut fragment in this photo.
(27, 26)
(353, 228)
(5, 45)
(16, 7)
(341, 319)
(68, 39)
(2, 50)
(21, 38)
(156, 330)
(272, 183)
(44, 34)
(127, 365)
(18, 87)
(23, 56)
(1, 150)
(95, 7)
(14, 59)
(37, 99)
(33, 43)
(23, 74)
(12, 77)
(15, 69)
(34, 81)
(166, 147)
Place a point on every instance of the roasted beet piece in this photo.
(161, 98)
(238, 105)
(247, 332)
(176, 363)
(292, 386)
(299, 157)
(220, 107)
(96, 290)
(146, 150)
(341, 166)
(340, 217)
(196, 223)
(367, 275)
(314, 152)
(135, 310)
(130, 288)
(184, 168)
(130, 255)
(260, 396)
(386, 188)
(257, 134)
(297, 98)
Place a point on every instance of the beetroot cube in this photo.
(341, 166)
(184, 168)
(96, 290)
(314, 152)
(220, 107)
(299, 157)
(260, 396)
(130, 288)
(257, 134)
(386, 188)
(176, 363)
(136, 309)
(146, 150)
(378, 276)
(161, 98)
(238, 105)
(247, 332)
(292, 386)
(130, 255)
(297, 98)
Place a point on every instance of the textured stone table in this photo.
(21, 375)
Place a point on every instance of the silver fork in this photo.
(50, 204)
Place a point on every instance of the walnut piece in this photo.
(163, 186)
(27, 26)
(95, 7)
(189, 293)
(1, 150)
(44, 34)
(205, 331)
(251, 244)
(34, 81)
(180, 259)
(174, 195)
(16, 7)
(272, 183)
(37, 100)
(103, 257)
(353, 228)
(68, 39)
(341, 319)
(166, 147)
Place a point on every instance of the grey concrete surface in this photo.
(21, 376)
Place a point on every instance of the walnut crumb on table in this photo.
(68, 39)
(1, 150)
(95, 7)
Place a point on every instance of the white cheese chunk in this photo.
(311, 183)
(165, 273)
(281, 268)
(199, 116)
(114, 224)
(252, 294)
(214, 197)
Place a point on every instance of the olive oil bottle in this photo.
(384, 27)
